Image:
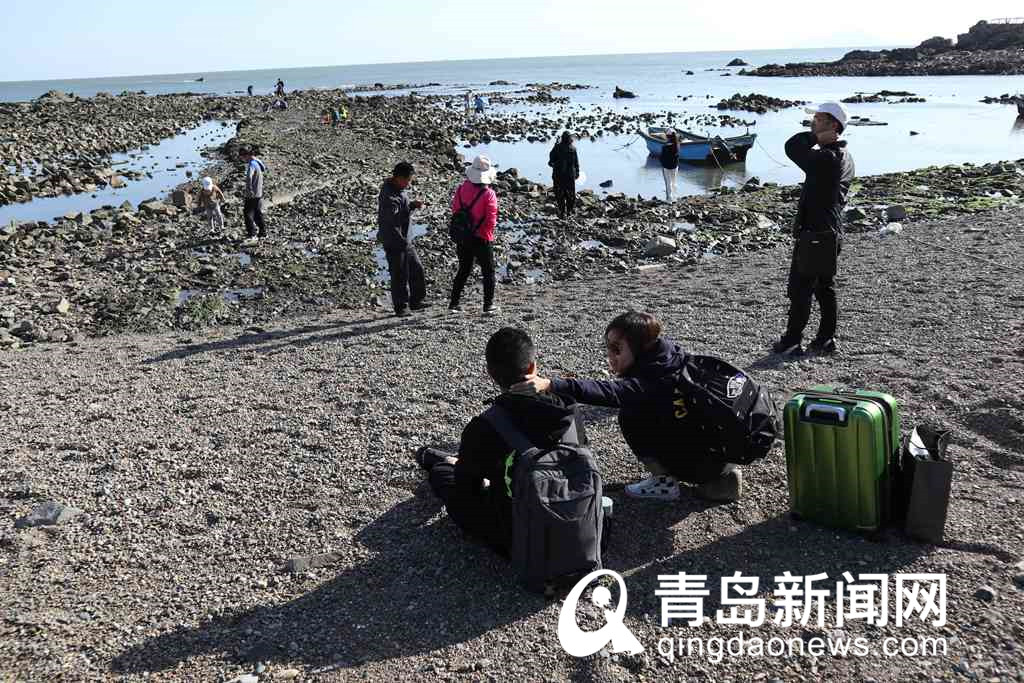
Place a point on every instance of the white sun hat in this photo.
(207, 183)
(835, 109)
(482, 171)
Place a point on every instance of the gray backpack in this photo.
(556, 505)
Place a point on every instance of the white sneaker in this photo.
(658, 487)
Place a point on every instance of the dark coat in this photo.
(393, 213)
(644, 398)
(564, 163)
(830, 171)
(486, 513)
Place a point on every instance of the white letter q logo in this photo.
(581, 643)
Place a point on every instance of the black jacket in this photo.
(644, 399)
(830, 172)
(669, 156)
(564, 163)
(393, 215)
(486, 513)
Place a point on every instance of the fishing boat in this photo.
(698, 149)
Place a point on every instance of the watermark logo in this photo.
(580, 643)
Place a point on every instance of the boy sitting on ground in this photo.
(474, 486)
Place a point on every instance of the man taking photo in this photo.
(818, 229)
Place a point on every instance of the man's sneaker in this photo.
(658, 487)
(825, 346)
(491, 310)
(426, 457)
(420, 306)
(250, 241)
(784, 346)
(725, 489)
(455, 309)
(403, 313)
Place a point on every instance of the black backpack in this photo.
(556, 505)
(460, 227)
(723, 412)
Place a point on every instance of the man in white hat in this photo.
(818, 227)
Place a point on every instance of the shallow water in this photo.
(952, 127)
(382, 276)
(166, 163)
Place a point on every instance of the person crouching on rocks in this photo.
(475, 485)
(479, 199)
(646, 365)
(565, 169)
(210, 198)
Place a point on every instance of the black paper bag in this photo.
(923, 484)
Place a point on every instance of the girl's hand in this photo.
(531, 386)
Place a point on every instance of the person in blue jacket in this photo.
(646, 364)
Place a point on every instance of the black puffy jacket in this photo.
(486, 512)
(830, 172)
(643, 396)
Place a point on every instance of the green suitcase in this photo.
(839, 449)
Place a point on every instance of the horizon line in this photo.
(434, 61)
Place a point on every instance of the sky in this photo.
(80, 39)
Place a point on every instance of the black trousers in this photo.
(481, 251)
(476, 515)
(253, 212)
(408, 286)
(800, 290)
(565, 197)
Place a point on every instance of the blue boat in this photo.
(698, 149)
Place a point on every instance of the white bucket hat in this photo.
(207, 183)
(481, 171)
(834, 109)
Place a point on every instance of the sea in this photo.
(951, 127)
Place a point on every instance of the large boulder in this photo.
(56, 96)
(936, 44)
(986, 36)
(904, 54)
(49, 513)
(660, 246)
(861, 56)
(181, 199)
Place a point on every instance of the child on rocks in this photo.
(210, 198)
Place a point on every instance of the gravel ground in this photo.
(248, 504)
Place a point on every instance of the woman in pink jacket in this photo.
(477, 195)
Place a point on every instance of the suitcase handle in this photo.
(825, 413)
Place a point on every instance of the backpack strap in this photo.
(478, 195)
(500, 418)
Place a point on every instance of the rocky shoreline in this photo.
(60, 144)
(122, 269)
(985, 50)
(240, 505)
